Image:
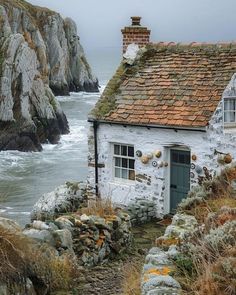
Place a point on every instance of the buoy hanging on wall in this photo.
(198, 169)
(194, 157)
(139, 153)
(144, 159)
(227, 159)
(158, 154)
(154, 163)
(160, 164)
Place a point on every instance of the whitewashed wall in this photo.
(153, 182)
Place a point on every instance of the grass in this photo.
(207, 262)
(100, 207)
(202, 210)
(21, 258)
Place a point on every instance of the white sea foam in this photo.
(24, 177)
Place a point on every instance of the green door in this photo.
(179, 177)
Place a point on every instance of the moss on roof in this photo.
(169, 84)
(107, 102)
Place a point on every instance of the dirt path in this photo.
(108, 279)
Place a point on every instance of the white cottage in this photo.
(166, 121)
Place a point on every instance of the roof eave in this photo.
(185, 128)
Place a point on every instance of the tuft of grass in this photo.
(21, 258)
(201, 211)
(101, 207)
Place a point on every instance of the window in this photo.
(230, 111)
(124, 161)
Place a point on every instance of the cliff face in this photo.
(39, 51)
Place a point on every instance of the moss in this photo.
(107, 102)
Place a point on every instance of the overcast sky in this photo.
(99, 21)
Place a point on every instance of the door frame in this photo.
(168, 176)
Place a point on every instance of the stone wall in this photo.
(157, 275)
(141, 210)
(152, 179)
(91, 239)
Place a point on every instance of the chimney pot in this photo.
(135, 20)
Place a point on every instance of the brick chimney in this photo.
(135, 34)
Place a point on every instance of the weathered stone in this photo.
(9, 224)
(65, 198)
(64, 223)
(40, 235)
(181, 225)
(39, 49)
(63, 239)
(160, 281)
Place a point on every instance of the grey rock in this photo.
(9, 224)
(164, 291)
(39, 235)
(63, 239)
(160, 281)
(64, 223)
(40, 50)
(65, 198)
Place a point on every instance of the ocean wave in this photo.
(81, 95)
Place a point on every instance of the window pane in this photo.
(124, 173)
(118, 162)
(117, 149)
(175, 157)
(181, 158)
(229, 116)
(131, 175)
(124, 150)
(187, 159)
(131, 164)
(124, 163)
(229, 110)
(117, 172)
(131, 151)
(227, 105)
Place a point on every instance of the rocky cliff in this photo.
(40, 54)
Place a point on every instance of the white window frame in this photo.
(229, 124)
(120, 179)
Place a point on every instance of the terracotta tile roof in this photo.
(169, 84)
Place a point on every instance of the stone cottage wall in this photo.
(152, 179)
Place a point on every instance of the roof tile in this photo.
(171, 84)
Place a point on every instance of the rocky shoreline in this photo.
(40, 56)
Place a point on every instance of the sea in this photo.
(25, 177)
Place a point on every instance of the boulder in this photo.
(44, 236)
(65, 198)
(9, 224)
